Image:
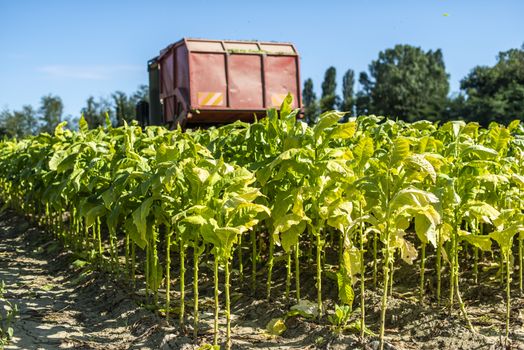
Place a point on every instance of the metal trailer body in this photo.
(196, 82)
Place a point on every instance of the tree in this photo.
(18, 123)
(407, 83)
(363, 96)
(329, 99)
(125, 106)
(95, 111)
(348, 101)
(496, 93)
(309, 98)
(50, 112)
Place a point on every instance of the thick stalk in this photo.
(154, 271)
(422, 262)
(196, 255)
(288, 274)
(362, 279)
(240, 260)
(168, 274)
(475, 264)
(182, 282)
(438, 263)
(215, 325)
(270, 265)
(384, 302)
(452, 272)
(133, 264)
(392, 273)
(319, 275)
(126, 253)
(253, 260)
(99, 237)
(147, 271)
(375, 263)
(228, 314)
(297, 271)
(521, 253)
(508, 297)
(461, 304)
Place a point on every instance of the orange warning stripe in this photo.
(210, 99)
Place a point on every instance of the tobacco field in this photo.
(315, 216)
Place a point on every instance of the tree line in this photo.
(411, 84)
(404, 82)
(118, 107)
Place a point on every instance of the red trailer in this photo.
(196, 82)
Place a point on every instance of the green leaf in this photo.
(481, 242)
(479, 152)
(306, 308)
(425, 229)
(140, 217)
(82, 124)
(343, 131)
(421, 164)
(400, 150)
(276, 326)
(325, 121)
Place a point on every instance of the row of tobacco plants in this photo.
(373, 191)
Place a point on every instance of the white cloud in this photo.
(92, 72)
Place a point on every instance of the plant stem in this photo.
(168, 274)
(228, 314)
(253, 260)
(288, 274)
(422, 262)
(521, 251)
(196, 255)
(297, 271)
(475, 264)
(240, 262)
(384, 302)
(270, 265)
(362, 279)
(438, 263)
(375, 264)
(319, 275)
(508, 298)
(182, 282)
(215, 276)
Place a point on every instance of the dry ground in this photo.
(66, 306)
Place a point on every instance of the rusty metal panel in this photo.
(278, 48)
(166, 74)
(281, 78)
(207, 46)
(208, 80)
(245, 81)
(182, 70)
(241, 46)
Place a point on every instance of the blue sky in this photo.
(80, 48)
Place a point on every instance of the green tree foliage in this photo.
(362, 97)
(125, 105)
(18, 123)
(50, 112)
(496, 93)
(348, 100)
(329, 99)
(407, 83)
(95, 111)
(348, 82)
(309, 99)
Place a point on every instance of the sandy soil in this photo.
(66, 306)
